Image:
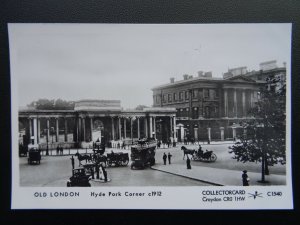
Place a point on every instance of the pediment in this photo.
(241, 78)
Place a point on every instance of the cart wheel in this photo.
(132, 166)
(125, 162)
(213, 157)
(152, 162)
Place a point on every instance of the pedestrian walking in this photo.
(72, 162)
(61, 150)
(158, 144)
(165, 158)
(92, 172)
(245, 178)
(104, 173)
(188, 163)
(169, 157)
(97, 171)
(57, 150)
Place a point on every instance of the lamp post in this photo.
(52, 131)
(47, 149)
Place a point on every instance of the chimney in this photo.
(200, 73)
(208, 74)
(172, 80)
(190, 76)
(284, 64)
(185, 76)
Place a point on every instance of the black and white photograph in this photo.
(151, 116)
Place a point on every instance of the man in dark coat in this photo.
(188, 163)
(165, 158)
(169, 157)
(245, 178)
(72, 162)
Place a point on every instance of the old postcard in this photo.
(151, 116)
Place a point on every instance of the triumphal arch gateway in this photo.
(93, 120)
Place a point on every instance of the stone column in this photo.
(92, 127)
(244, 103)
(48, 129)
(146, 126)
(131, 132)
(235, 103)
(174, 128)
(38, 130)
(30, 129)
(112, 128)
(196, 133)
(138, 127)
(79, 129)
(35, 130)
(120, 132)
(225, 103)
(57, 129)
(171, 127)
(83, 130)
(234, 133)
(251, 99)
(154, 127)
(124, 127)
(222, 133)
(182, 133)
(150, 126)
(66, 129)
(209, 134)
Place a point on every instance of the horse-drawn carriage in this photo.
(200, 155)
(79, 178)
(117, 159)
(34, 155)
(23, 150)
(143, 153)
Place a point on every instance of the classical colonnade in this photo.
(84, 126)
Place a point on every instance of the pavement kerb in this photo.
(204, 181)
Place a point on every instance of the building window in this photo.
(186, 95)
(217, 93)
(206, 93)
(195, 93)
(181, 95)
(164, 98)
(175, 97)
(169, 98)
(157, 99)
(207, 111)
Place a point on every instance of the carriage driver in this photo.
(200, 151)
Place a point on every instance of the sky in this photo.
(124, 61)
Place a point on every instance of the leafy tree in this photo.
(141, 107)
(264, 141)
(47, 104)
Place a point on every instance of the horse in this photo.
(187, 151)
(83, 157)
(99, 159)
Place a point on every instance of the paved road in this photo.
(224, 160)
(54, 171)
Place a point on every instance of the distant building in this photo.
(211, 108)
(91, 120)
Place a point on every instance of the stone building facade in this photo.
(211, 108)
(91, 120)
